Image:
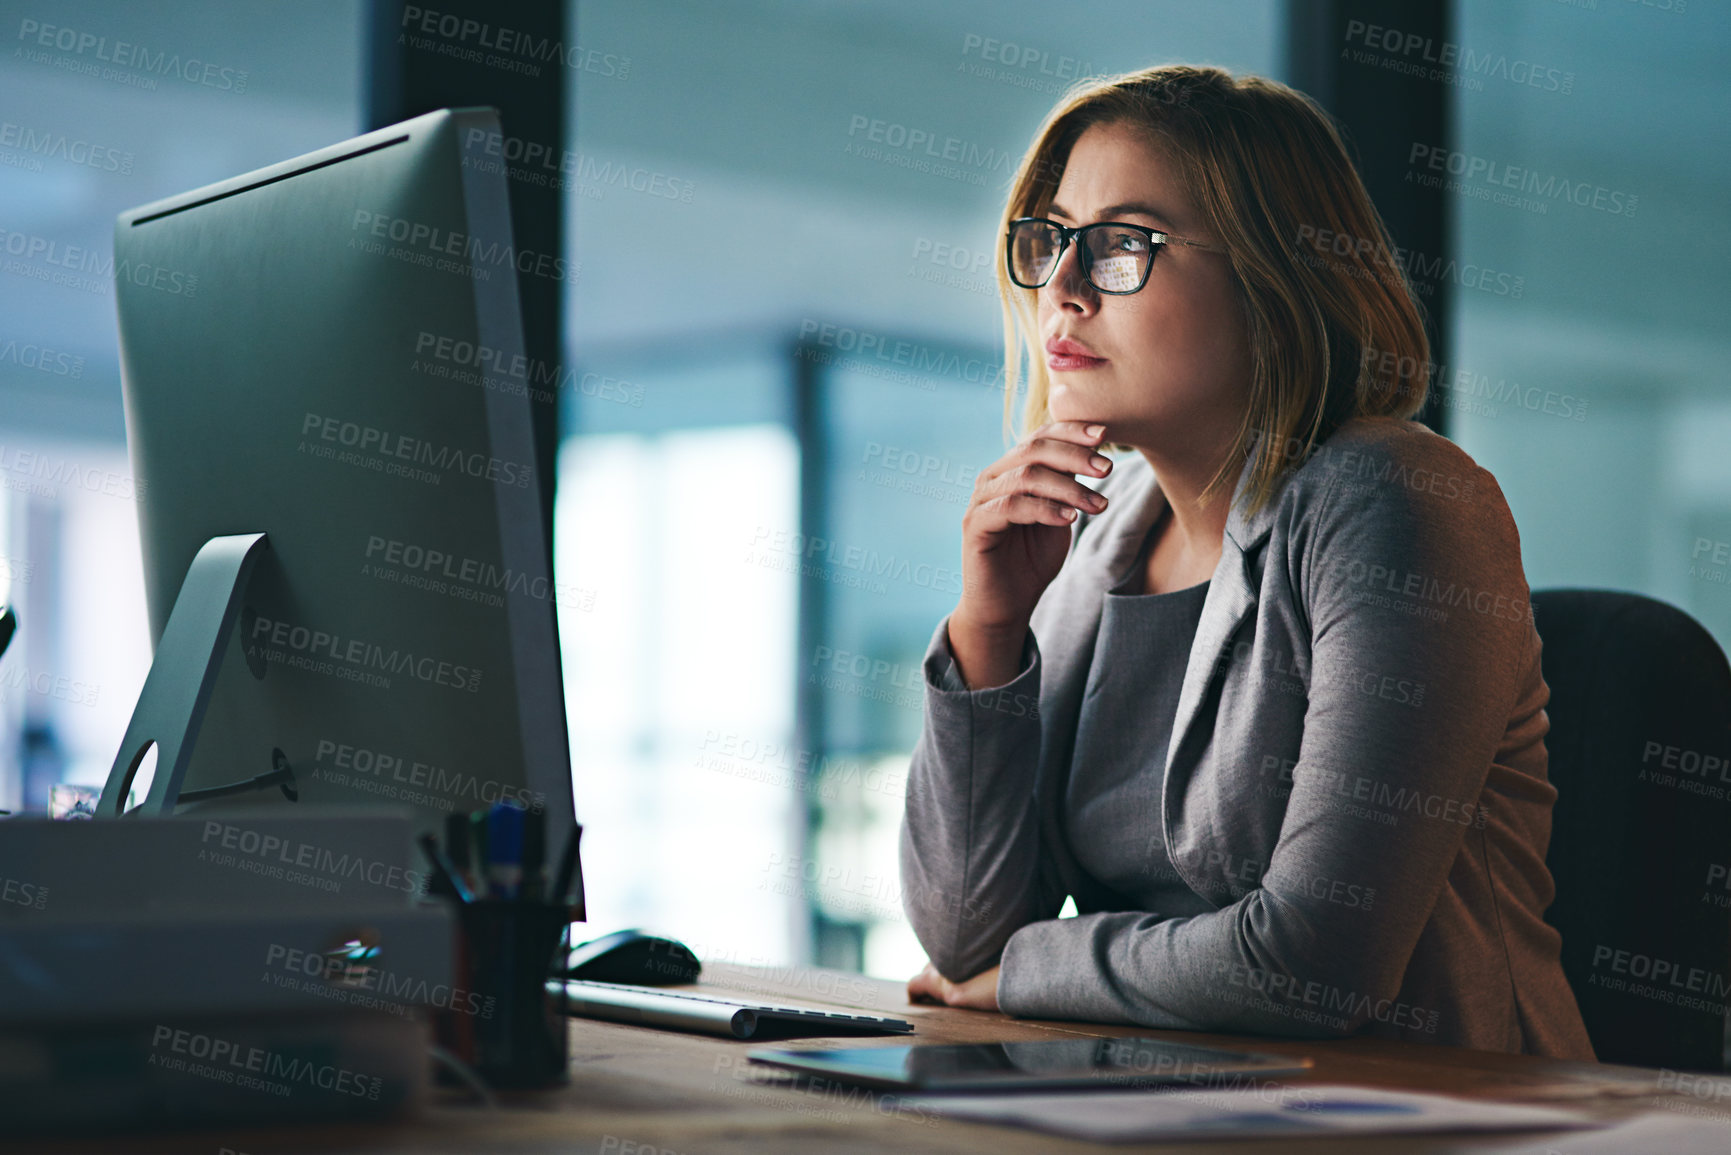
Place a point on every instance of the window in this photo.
(679, 656)
(1588, 372)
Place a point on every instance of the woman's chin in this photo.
(1067, 404)
(1063, 403)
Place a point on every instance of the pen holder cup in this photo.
(505, 1024)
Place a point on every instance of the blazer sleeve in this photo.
(1400, 705)
(971, 862)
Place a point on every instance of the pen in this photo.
(478, 851)
(535, 856)
(443, 874)
(504, 850)
(457, 847)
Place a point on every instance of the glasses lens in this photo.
(1118, 258)
(1033, 253)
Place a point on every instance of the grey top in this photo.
(1112, 802)
(1355, 781)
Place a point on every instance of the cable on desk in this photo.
(467, 1074)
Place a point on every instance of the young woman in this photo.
(1267, 705)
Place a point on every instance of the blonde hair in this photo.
(1270, 176)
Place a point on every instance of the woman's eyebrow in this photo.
(1112, 212)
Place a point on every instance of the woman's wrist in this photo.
(986, 656)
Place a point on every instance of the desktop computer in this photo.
(348, 577)
(353, 611)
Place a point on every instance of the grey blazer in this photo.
(1355, 781)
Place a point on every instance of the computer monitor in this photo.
(329, 352)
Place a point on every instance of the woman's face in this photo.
(1170, 360)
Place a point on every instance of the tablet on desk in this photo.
(1096, 1063)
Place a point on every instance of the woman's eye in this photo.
(1129, 243)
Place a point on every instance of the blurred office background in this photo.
(781, 355)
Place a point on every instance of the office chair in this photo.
(1640, 754)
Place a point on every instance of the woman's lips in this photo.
(1063, 354)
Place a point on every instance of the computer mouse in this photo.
(632, 956)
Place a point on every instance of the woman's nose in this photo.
(1068, 286)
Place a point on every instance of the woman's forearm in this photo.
(1245, 968)
(972, 867)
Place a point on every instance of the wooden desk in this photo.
(640, 1091)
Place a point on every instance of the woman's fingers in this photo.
(1079, 432)
(1062, 447)
(1047, 466)
(1020, 509)
(1043, 480)
(978, 993)
(927, 986)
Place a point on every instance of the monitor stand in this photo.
(177, 690)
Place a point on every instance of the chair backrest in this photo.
(1640, 754)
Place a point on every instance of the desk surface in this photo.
(641, 1091)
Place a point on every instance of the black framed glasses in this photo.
(1115, 257)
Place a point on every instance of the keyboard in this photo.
(714, 1015)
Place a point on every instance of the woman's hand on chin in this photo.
(979, 993)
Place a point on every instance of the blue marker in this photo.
(504, 850)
